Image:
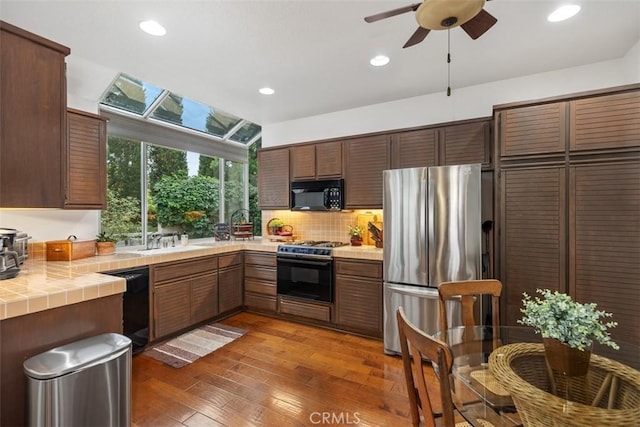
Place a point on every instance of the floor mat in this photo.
(191, 346)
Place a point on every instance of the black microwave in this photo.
(325, 195)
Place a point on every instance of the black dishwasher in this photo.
(135, 305)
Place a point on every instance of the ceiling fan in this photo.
(443, 15)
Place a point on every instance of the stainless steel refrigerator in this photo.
(432, 234)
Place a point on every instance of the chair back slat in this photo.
(466, 292)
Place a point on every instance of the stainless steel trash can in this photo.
(85, 383)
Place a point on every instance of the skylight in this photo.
(151, 102)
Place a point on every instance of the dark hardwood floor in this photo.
(279, 374)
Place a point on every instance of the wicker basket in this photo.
(609, 395)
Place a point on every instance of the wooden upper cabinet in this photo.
(303, 162)
(273, 178)
(86, 178)
(414, 149)
(532, 233)
(609, 121)
(322, 160)
(329, 160)
(533, 130)
(466, 143)
(365, 159)
(33, 106)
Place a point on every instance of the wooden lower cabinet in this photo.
(358, 288)
(184, 293)
(204, 297)
(260, 276)
(170, 305)
(230, 289)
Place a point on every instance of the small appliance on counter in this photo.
(21, 246)
(9, 261)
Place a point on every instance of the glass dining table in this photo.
(500, 377)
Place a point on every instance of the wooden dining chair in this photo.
(416, 347)
(468, 291)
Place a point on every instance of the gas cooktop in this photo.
(309, 247)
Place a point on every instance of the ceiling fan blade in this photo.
(393, 12)
(479, 24)
(417, 37)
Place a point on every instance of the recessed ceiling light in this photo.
(379, 61)
(266, 91)
(563, 12)
(153, 28)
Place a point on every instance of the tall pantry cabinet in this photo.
(569, 185)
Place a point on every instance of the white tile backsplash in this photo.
(332, 226)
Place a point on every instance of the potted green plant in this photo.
(105, 243)
(355, 231)
(568, 329)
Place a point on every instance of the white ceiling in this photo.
(315, 53)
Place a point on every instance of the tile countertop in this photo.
(43, 285)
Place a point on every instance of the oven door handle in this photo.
(305, 262)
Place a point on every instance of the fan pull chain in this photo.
(448, 61)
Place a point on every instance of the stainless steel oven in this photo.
(305, 270)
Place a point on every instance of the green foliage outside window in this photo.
(187, 202)
(122, 216)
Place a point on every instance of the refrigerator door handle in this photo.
(414, 291)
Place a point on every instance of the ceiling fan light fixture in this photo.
(152, 27)
(444, 14)
(379, 60)
(563, 13)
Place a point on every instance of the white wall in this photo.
(464, 103)
(86, 83)
(52, 224)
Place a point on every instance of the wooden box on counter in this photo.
(68, 250)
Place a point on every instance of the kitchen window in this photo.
(183, 190)
(190, 165)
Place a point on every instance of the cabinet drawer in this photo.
(359, 268)
(305, 309)
(260, 258)
(261, 302)
(173, 270)
(260, 287)
(258, 272)
(229, 259)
